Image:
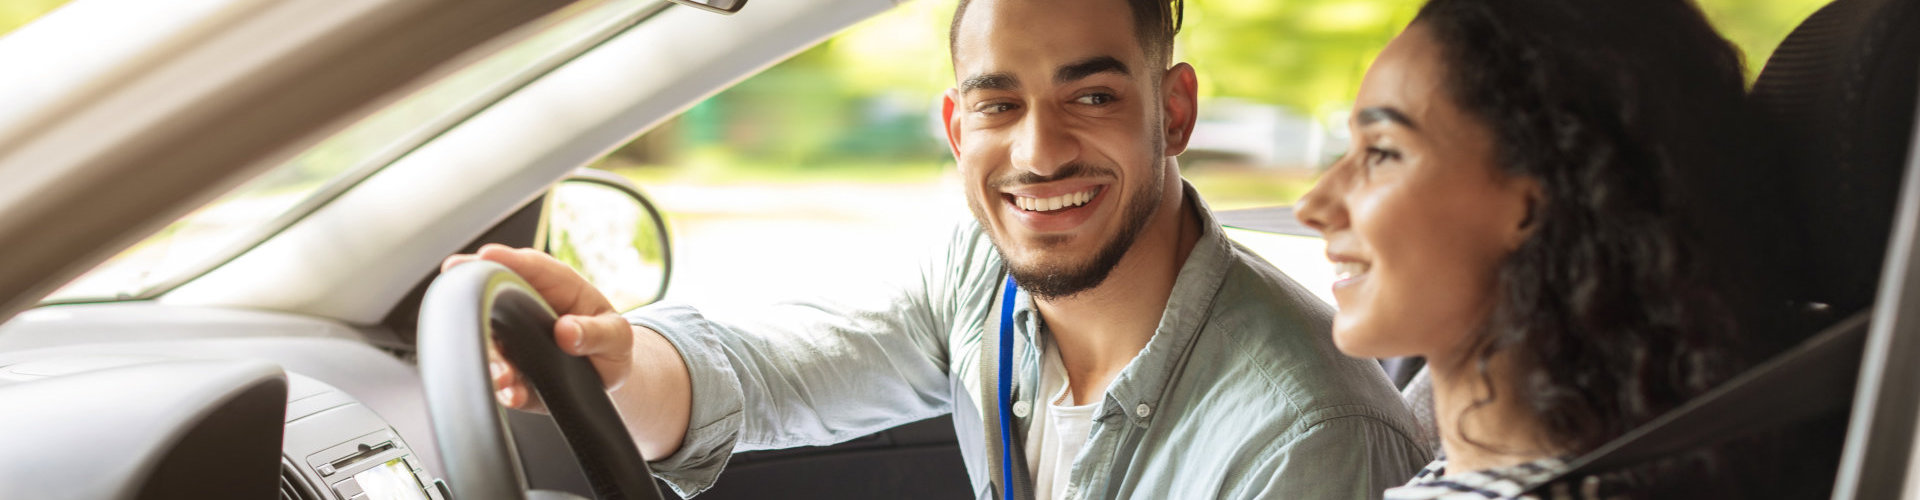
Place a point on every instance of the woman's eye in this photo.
(1377, 156)
(1095, 99)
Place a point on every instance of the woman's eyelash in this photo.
(1376, 155)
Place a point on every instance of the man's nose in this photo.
(1043, 144)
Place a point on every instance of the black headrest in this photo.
(1838, 99)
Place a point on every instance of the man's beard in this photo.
(1061, 281)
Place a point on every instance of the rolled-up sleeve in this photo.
(715, 421)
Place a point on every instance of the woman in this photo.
(1512, 211)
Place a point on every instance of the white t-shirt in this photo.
(1057, 431)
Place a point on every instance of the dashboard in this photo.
(148, 400)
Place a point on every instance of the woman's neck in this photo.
(1500, 433)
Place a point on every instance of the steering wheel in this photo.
(481, 302)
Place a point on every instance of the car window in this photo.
(244, 216)
(840, 147)
(17, 13)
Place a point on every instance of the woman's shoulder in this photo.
(1433, 482)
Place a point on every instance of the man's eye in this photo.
(1095, 99)
(1377, 156)
(994, 108)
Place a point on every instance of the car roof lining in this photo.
(164, 141)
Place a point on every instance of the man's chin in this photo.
(1052, 283)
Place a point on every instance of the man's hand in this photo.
(588, 325)
(656, 407)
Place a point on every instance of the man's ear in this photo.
(1179, 89)
(947, 103)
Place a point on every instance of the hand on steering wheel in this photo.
(588, 325)
(469, 309)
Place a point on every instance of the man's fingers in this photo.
(507, 386)
(564, 289)
(598, 335)
(455, 260)
(503, 374)
(604, 339)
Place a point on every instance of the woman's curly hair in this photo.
(1619, 109)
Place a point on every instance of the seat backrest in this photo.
(1837, 99)
(1837, 104)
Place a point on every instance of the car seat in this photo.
(1837, 102)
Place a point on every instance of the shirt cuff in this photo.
(715, 423)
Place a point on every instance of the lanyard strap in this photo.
(1013, 481)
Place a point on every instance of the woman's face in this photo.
(1417, 216)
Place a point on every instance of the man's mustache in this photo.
(1069, 171)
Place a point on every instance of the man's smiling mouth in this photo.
(1059, 202)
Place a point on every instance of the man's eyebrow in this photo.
(1369, 116)
(989, 81)
(1089, 67)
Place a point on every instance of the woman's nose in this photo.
(1322, 208)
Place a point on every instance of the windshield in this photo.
(243, 217)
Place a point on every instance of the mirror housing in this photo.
(601, 225)
(724, 7)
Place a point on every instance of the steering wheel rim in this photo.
(464, 310)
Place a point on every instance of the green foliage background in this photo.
(866, 100)
(817, 111)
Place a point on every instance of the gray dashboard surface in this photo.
(165, 429)
(56, 340)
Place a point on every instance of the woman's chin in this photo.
(1361, 342)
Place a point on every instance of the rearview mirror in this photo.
(720, 6)
(601, 225)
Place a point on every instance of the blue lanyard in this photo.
(1005, 395)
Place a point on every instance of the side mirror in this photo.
(717, 6)
(601, 225)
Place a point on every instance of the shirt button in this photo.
(1021, 409)
(1143, 410)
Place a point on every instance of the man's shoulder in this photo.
(1278, 336)
(1264, 308)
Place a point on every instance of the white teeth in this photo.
(1343, 271)
(1055, 203)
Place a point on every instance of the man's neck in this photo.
(1099, 331)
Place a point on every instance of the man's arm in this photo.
(694, 389)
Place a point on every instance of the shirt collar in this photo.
(1145, 379)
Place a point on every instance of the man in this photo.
(1142, 355)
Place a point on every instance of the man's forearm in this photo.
(656, 400)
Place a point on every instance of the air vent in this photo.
(293, 486)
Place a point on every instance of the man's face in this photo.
(1055, 125)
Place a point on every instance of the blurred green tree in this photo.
(870, 95)
(17, 13)
(1306, 56)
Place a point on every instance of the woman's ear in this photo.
(1533, 204)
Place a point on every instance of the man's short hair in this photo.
(1155, 22)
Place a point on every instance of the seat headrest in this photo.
(1838, 99)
